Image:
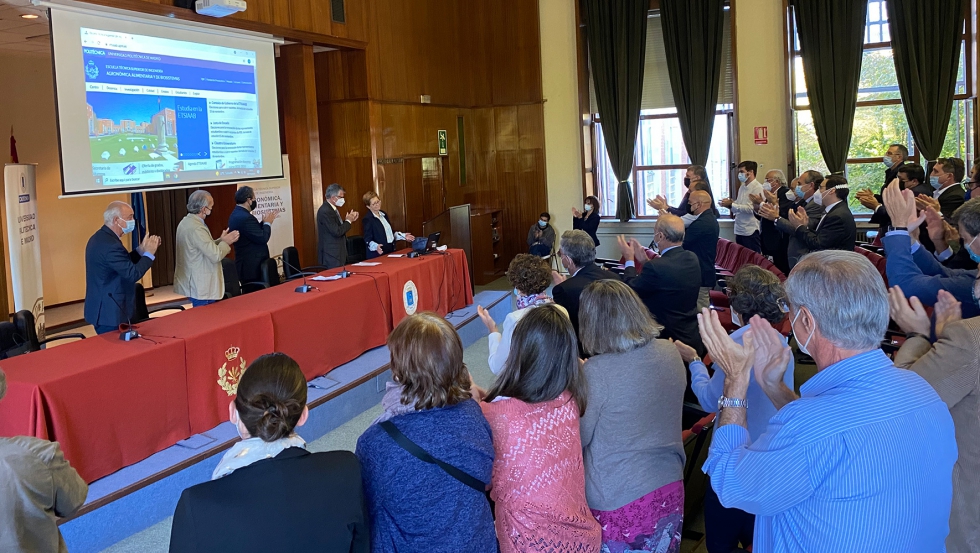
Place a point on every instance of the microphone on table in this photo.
(130, 332)
(305, 287)
(344, 273)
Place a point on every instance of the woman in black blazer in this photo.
(378, 235)
(587, 220)
(268, 492)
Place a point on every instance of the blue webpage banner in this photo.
(128, 68)
(192, 128)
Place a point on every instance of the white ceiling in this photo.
(23, 35)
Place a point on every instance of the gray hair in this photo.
(114, 210)
(968, 217)
(671, 226)
(811, 177)
(333, 190)
(197, 201)
(845, 294)
(780, 176)
(612, 319)
(578, 246)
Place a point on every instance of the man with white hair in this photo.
(197, 267)
(111, 272)
(774, 242)
(863, 459)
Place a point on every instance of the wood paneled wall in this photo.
(479, 60)
(476, 59)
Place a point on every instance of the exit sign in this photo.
(443, 143)
(761, 136)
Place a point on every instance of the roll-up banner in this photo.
(22, 237)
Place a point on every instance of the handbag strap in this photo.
(413, 448)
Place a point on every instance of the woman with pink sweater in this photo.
(533, 409)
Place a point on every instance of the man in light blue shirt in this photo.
(863, 460)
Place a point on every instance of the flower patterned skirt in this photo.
(651, 523)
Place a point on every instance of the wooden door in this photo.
(433, 192)
(164, 210)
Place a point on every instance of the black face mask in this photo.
(252, 205)
(687, 182)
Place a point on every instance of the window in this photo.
(660, 158)
(879, 119)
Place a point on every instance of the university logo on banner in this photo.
(20, 192)
(231, 371)
(410, 296)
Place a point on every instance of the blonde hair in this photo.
(612, 319)
(368, 196)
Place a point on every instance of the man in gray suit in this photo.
(805, 194)
(332, 228)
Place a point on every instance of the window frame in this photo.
(793, 51)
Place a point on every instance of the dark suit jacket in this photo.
(671, 295)
(331, 236)
(297, 501)
(590, 225)
(701, 238)
(374, 231)
(567, 293)
(951, 198)
(795, 247)
(252, 247)
(111, 270)
(834, 231)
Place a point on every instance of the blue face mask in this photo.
(742, 177)
(888, 162)
(130, 226)
(969, 249)
(934, 181)
(799, 192)
(542, 224)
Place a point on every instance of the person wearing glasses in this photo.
(752, 291)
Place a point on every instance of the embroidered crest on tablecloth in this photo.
(229, 377)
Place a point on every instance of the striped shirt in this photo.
(863, 461)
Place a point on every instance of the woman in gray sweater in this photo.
(631, 432)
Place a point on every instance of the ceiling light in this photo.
(29, 16)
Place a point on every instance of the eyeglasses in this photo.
(783, 304)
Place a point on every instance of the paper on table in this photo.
(365, 264)
(396, 255)
(321, 278)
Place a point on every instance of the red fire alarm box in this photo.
(761, 136)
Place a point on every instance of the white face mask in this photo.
(736, 319)
(767, 187)
(790, 195)
(818, 197)
(339, 202)
(808, 338)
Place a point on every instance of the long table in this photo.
(111, 403)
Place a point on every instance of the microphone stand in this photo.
(129, 334)
(304, 288)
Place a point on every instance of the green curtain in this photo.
(693, 33)
(926, 40)
(617, 36)
(832, 45)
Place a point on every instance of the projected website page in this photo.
(165, 111)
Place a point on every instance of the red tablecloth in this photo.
(111, 403)
(108, 403)
(438, 282)
(219, 344)
(322, 329)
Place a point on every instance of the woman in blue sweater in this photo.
(415, 505)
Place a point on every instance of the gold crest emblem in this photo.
(229, 377)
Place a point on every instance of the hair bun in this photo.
(277, 418)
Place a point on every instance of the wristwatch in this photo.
(724, 402)
(891, 229)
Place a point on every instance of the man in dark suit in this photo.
(111, 272)
(701, 238)
(804, 195)
(332, 228)
(774, 242)
(895, 158)
(252, 247)
(949, 195)
(835, 229)
(577, 252)
(665, 284)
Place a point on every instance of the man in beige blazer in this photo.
(197, 274)
(952, 367)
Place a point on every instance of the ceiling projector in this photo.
(219, 8)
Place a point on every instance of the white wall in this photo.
(562, 123)
(64, 226)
